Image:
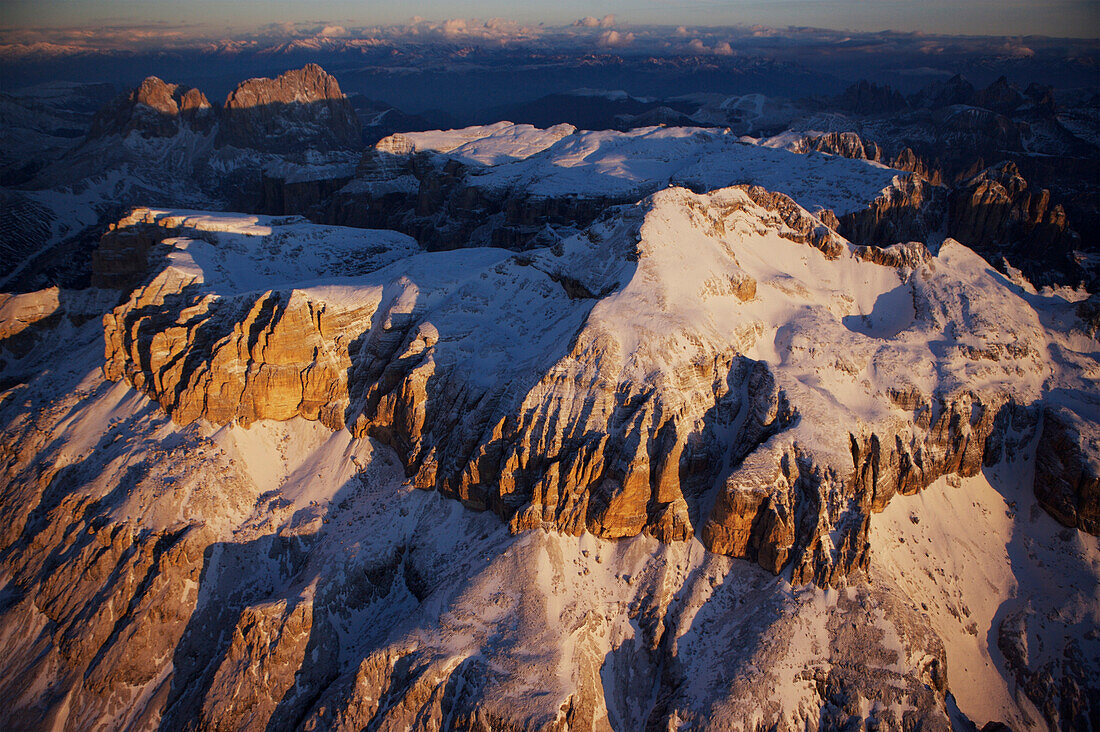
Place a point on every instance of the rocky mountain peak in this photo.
(1000, 96)
(157, 94)
(154, 109)
(955, 90)
(997, 208)
(302, 108)
(865, 97)
(308, 84)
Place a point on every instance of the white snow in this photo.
(633, 164)
(979, 550)
(486, 145)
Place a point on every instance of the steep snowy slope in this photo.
(229, 534)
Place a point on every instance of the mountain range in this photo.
(700, 412)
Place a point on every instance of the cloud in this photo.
(614, 39)
(455, 27)
(1015, 50)
(579, 37)
(722, 48)
(607, 21)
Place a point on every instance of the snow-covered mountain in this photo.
(618, 429)
(687, 381)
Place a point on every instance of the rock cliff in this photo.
(154, 109)
(302, 108)
(908, 210)
(688, 380)
(609, 421)
(997, 209)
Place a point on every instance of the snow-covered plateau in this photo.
(695, 461)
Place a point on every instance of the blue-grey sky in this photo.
(1073, 18)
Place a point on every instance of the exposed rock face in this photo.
(274, 358)
(300, 109)
(775, 506)
(121, 261)
(996, 208)
(865, 97)
(851, 145)
(800, 225)
(154, 109)
(847, 144)
(579, 442)
(909, 160)
(1067, 470)
(720, 371)
(908, 210)
(18, 312)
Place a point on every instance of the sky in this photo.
(1069, 18)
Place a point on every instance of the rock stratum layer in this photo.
(631, 379)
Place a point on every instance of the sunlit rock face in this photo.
(154, 109)
(566, 388)
(302, 108)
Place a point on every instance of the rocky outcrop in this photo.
(298, 110)
(1067, 469)
(909, 210)
(779, 505)
(154, 109)
(851, 145)
(865, 97)
(909, 160)
(846, 144)
(121, 261)
(997, 209)
(20, 311)
(799, 226)
(274, 357)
